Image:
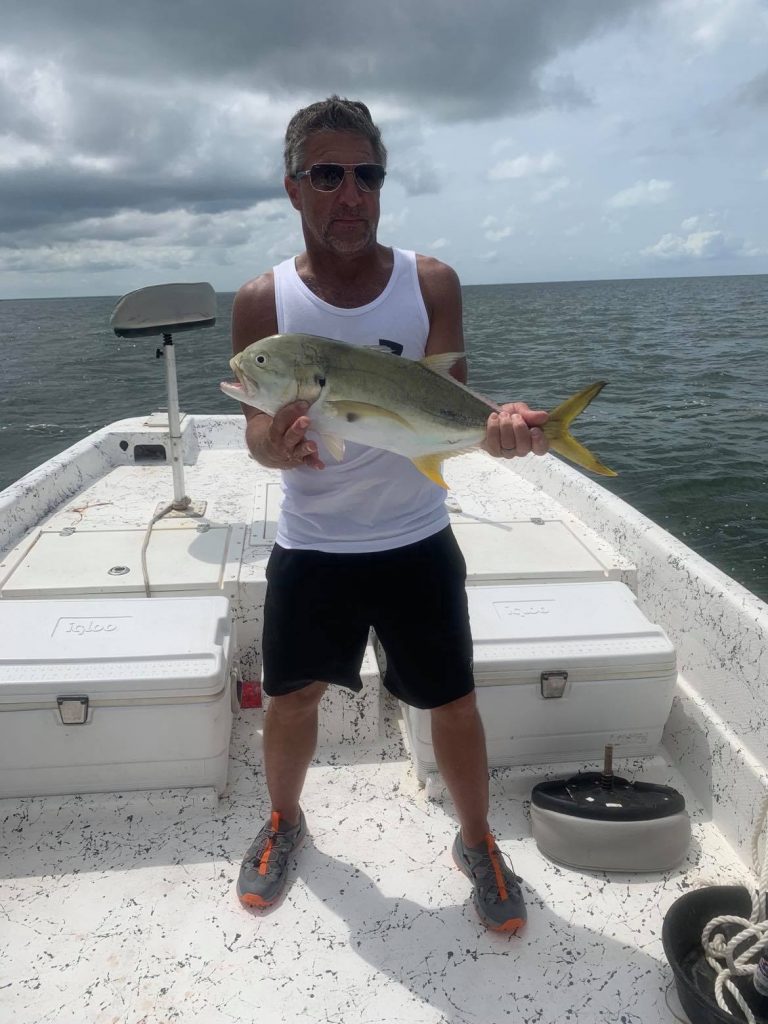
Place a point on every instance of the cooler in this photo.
(102, 696)
(561, 670)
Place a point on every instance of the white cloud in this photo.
(159, 241)
(94, 255)
(18, 155)
(417, 179)
(691, 224)
(439, 243)
(546, 193)
(708, 24)
(500, 145)
(495, 230)
(525, 166)
(97, 164)
(642, 193)
(285, 247)
(389, 222)
(698, 245)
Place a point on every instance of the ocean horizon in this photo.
(484, 284)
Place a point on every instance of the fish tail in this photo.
(560, 438)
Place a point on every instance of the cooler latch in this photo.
(553, 684)
(73, 710)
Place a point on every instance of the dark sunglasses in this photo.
(328, 177)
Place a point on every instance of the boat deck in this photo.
(121, 908)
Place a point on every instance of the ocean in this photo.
(684, 419)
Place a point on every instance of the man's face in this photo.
(343, 221)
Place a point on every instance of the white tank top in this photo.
(372, 500)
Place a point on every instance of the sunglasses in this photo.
(328, 177)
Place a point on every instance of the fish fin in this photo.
(560, 438)
(351, 411)
(442, 362)
(334, 444)
(431, 467)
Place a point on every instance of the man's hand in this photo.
(282, 444)
(514, 430)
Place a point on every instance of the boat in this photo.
(118, 902)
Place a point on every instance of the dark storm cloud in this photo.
(49, 196)
(454, 58)
(123, 147)
(141, 87)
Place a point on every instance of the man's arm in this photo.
(514, 430)
(278, 441)
(441, 291)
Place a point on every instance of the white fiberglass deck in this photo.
(121, 907)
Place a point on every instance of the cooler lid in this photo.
(126, 648)
(527, 550)
(595, 627)
(182, 554)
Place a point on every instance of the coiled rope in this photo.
(719, 952)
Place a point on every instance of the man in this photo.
(365, 541)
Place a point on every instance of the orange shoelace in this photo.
(495, 856)
(264, 861)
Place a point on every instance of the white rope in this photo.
(719, 953)
(145, 545)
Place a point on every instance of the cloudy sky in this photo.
(529, 140)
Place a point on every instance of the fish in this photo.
(371, 396)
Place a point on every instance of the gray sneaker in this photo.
(498, 897)
(264, 869)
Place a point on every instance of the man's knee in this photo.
(299, 703)
(462, 709)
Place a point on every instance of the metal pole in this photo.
(180, 500)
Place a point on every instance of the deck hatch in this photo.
(182, 556)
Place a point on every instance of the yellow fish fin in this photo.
(351, 411)
(442, 362)
(560, 438)
(335, 445)
(431, 467)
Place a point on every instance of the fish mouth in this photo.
(242, 381)
(232, 388)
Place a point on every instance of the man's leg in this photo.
(459, 743)
(290, 738)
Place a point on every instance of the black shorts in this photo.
(319, 609)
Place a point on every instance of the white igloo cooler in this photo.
(104, 696)
(561, 670)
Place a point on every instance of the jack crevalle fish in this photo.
(373, 397)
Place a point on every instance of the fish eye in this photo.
(261, 360)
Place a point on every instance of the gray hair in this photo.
(332, 115)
